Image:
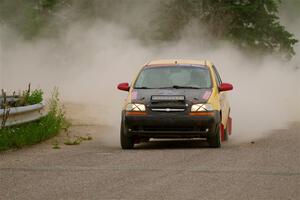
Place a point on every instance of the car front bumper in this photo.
(171, 125)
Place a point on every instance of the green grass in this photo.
(30, 133)
(37, 131)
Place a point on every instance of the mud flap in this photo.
(229, 125)
(222, 133)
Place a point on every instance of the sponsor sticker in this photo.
(134, 95)
(206, 95)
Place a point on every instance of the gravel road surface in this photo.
(269, 168)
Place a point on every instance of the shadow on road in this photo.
(173, 144)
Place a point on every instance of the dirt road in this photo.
(266, 169)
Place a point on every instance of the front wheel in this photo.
(127, 142)
(214, 141)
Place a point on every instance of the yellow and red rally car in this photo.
(176, 99)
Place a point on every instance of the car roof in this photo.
(174, 62)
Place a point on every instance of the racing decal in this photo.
(134, 95)
(206, 95)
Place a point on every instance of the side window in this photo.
(217, 76)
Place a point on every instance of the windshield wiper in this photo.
(174, 86)
(143, 87)
(181, 87)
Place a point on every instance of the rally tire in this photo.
(214, 141)
(127, 142)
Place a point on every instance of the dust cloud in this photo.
(88, 60)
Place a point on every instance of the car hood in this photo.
(190, 95)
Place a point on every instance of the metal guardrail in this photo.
(9, 99)
(24, 114)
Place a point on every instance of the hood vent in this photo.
(168, 98)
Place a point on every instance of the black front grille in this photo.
(163, 128)
(177, 105)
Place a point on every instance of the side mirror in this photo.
(124, 87)
(225, 87)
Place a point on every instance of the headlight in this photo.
(201, 107)
(136, 107)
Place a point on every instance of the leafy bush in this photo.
(35, 97)
(30, 98)
(37, 131)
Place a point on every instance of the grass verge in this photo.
(37, 131)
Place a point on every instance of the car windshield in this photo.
(174, 77)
